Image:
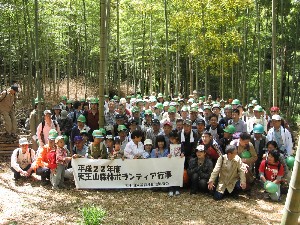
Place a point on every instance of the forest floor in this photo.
(27, 202)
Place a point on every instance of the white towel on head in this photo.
(191, 136)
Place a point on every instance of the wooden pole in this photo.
(102, 72)
(291, 211)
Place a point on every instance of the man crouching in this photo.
(230, 172)
(21, 160)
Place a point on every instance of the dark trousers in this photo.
(219, 195)
(17, 175)
(198, 183)
(174, 188)
(44, 172)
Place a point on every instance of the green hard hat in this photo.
(172, 109)
(194, 109)
(81, 118)
(216, 105)
(159, 106)
(94, 101)
(69, 101)
(148, 112)
(160, 95)
(230, 129)
(122, 128)
(290, 160)
(82, 100)
(103, 131)
(235, 102)
(191, 100)
(265, 184)
(245, 154)
(64, 98)
(258, 108)
(135, 109)
(206, 106)
(258, 129)
(97, 134)
(228, 107)
(184, 108)
(52, 134)
(66, 138)
(271, 187)
(116, 97)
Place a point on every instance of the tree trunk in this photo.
(103, 52)
(274, 68)
(167, 87)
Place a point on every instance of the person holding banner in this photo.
(175, 151)
(97, 149)
(148, 148)
(160, 148)
(135, 148)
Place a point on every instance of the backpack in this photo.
(52, 159)
(43, 125)
(4, 96)
(266, 166)
(29, 154)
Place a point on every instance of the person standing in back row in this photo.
(7, 109)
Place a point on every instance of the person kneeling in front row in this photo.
(199, 170)
(231, 173)
(21, 160)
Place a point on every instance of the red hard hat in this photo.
(274, 108)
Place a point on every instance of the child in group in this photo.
(58, 173)
(109, 142)
(272, 170)
(175, 151)
(161, 149)
(97, 149)
(85, 137)
(118, 152)
(148, 148)
(135, 148)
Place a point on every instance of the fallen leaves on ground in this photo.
(27, 202)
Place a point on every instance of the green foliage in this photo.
(92, 215)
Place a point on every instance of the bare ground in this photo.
(27, 202)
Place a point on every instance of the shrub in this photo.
(92, 215)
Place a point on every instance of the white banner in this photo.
(130, 173)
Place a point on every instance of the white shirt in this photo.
(23, 160)
(132, 149)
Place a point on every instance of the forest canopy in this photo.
(218, 47)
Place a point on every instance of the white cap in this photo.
(47, 111)
(123, 100)
(109, 136)
(58, 138)
(200, 148)
(166, 104)
(64, 114)
(23, 141)
(276, 117)
(148, 142)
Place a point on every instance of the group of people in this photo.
(226, 146)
